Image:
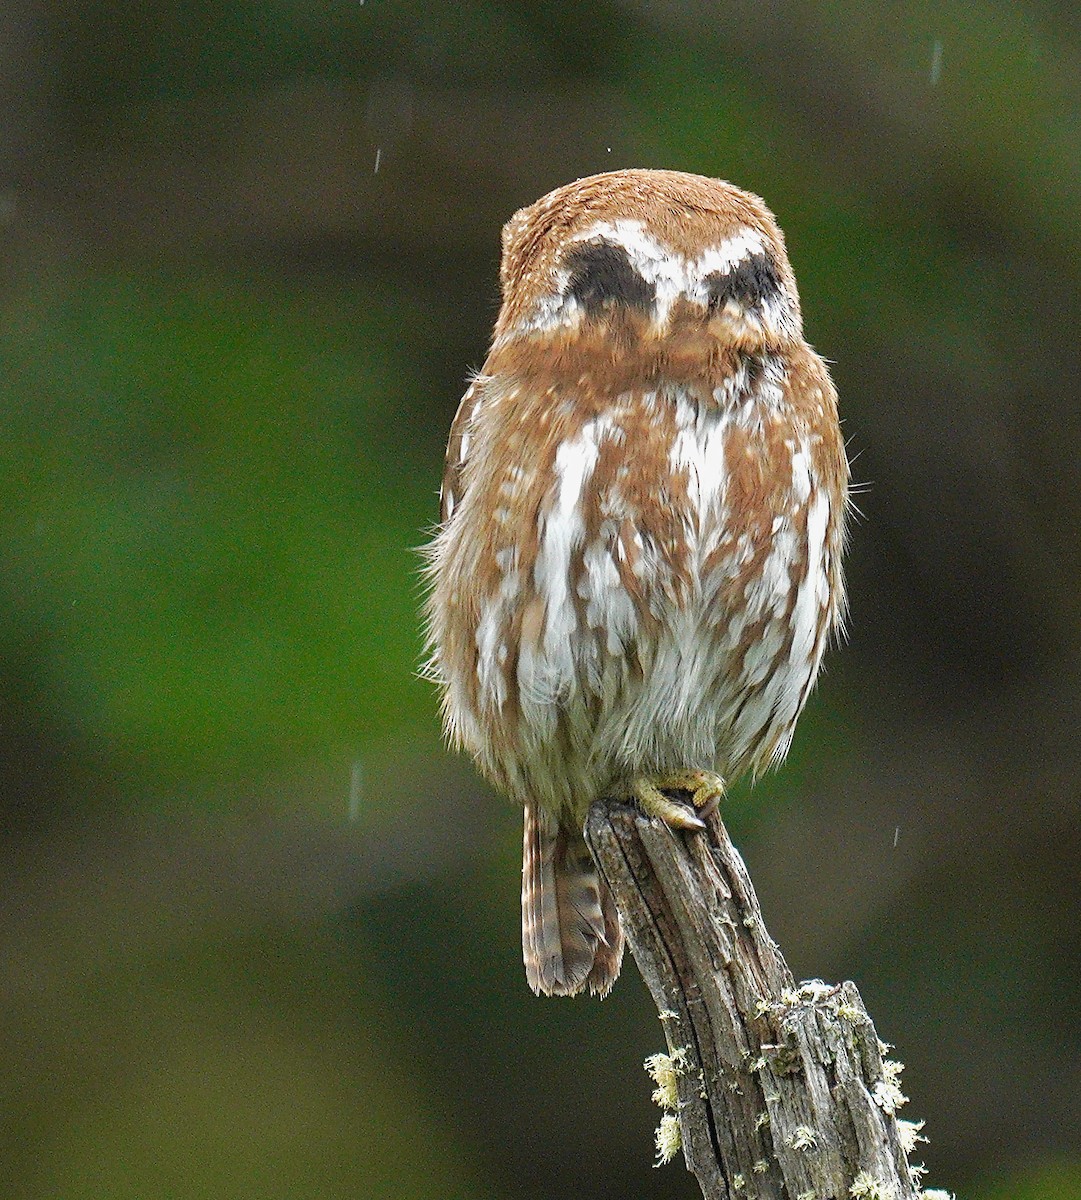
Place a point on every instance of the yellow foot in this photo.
(706, 790)
(706, 787)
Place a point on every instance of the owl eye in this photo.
(602, 276)
(749, 284)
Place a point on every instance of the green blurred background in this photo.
(260, 934)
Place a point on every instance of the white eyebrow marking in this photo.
(720, 260)
(670, 274)
(733, 250)
(657, 265)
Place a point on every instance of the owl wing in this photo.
(457, 452)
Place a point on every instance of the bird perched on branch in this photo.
(639, 560)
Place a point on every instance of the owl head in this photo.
(650, 255)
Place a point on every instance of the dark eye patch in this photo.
(602, 276)
(749, 283)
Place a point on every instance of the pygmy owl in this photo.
(639, 559)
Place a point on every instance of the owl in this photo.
(638, 564)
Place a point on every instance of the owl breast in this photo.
(644, 582)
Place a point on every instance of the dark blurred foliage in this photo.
(260, 934)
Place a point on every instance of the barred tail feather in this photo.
(609, 954)
(571, 935)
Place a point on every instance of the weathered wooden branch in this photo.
(781, 1091)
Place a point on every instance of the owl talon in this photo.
(706, 787)
(654, 803)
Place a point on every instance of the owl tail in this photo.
(571, 935)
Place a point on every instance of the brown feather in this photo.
(609, 954)
(571, 937)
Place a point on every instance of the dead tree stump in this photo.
(781, 1091)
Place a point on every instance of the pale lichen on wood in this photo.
(782, 1091)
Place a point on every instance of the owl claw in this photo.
(705, 787)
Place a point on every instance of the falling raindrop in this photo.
(356, 789)
(936, 63)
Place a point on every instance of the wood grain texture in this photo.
(783, 1094)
